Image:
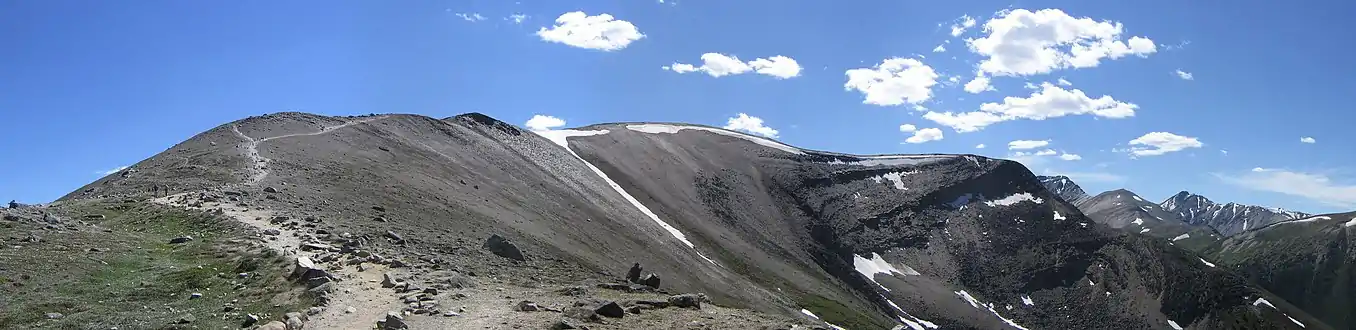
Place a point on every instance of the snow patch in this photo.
(1058, 217)
(1309, 219)
(1138, 221)
(674, 129)
(808, 313)
(1138, 199)
(1294, 320)
(1145, 230)
(976, 304)
(1263, 301)
(1207, 263)
(560, 137)
(1027, 300)
(1350, 223)
(878, 265)
(1181, 237)
(896, 177)
(1174, 325)
(1014, 199)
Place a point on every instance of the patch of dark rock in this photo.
(651, 280)
(501, 246)
(686, 300)
(270, 190)
(610, 309)
(180, 239)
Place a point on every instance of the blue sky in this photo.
(89, 86)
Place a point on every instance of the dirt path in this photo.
(258, 168)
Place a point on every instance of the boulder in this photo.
(393, 321)
(250, 320)
(389, 281)
(272, 232)
(52, 315)
(275, 325)
(270, 190)
(610, 309)
(181, 239)
(651, 280)
(185, 319)
(633, 275)
(306, 270)
(686, 300)
(526, 306)
(581, 313)
(501, 246)
(295, 321)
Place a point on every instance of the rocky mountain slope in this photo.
(1311, 262)
(1065, 188)
(1229, 218)
(390, 206)
(1125, 210)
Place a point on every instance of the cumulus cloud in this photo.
(1063, 82)
(939, 49)
(920, 135)
(1312, 186)
(966, 22)
(598, 32)
(1049, 102)
(1027, 144)
(1046, 152)
(471, 17)
(719, 65)
(980, 146)
(978, 85)
(543, 123)
(751, 124)
(1158, 143)
(1308, 140)
(111, 171)
(1022, 42)
(1184, 75)
(1070, 157)
(894, 81)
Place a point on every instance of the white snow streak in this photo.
(976, 304)
(878, 265)
(1309, 219)
(1027, 300)
(1263, 301)
(808, 313)
(673, 129)
(1058, 217)
(1174, 325)
(1207, 263)
(1181, 237)
(896, 177)
(560, 138)
(1145, 230)
(1350, 223)
(1294, 320)
(1138, 199)
(1138, 221)
(1014, 199)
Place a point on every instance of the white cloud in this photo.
(907, 128)
(1308, 140)
(1225, 152)
(894, 81)
(924, 135)
(1027, 144)
(111, 171)
(471, 17)
(1049, 102)
(543, 123)
(1158, 143)
(516, 18)
(939, 49)
(1046, 152)
(1070, 157)
(1184, 75)
(599, 32)
(980, 146)
(966, 22)
(978, 85)
(750, 124)
(1312, 186)
(1021, 42)
(719, 65)
(1064, 82)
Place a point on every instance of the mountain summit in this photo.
(756, 233)
(1065, 188)
(1228, 218)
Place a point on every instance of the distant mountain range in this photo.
(1190, 209)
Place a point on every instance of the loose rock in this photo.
(526, 306)
(501, 246)
(651, 280)
(610, 309)
(181, 240)
(686, 300)
(633, 275)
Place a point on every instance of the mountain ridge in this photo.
(881, 241)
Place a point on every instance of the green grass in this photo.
(141, 281)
